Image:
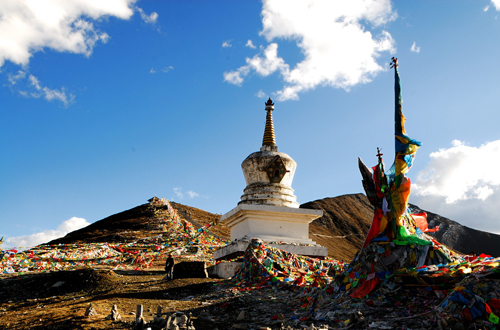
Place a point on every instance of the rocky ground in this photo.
(59, 300)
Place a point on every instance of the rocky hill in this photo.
(342, 228)
(461, 238)
(134, 224)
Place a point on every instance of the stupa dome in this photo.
(269, 173)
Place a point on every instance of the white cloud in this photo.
(13, 79)
(265, 64)
(151, 19)
(42, 91)
(167, 68)
(458, 172)
(236, 77)
(178, 192)
(46, 235)
(496, 3)
(269, 63)
(65, 26)
(27, 27)
(463, 184)
(250, 44)
(260, 94)
(414, 48)
(73, 224)
(227, 44)
(486, 8)
(164, 70)
(338, 50)
(190, 194)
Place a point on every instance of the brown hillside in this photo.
(342, 228)
(133, 225)
(125, 226)
(199, 217)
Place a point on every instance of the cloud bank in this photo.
(47, 235)
(65, 26)
(338, 49)
(496, 4)
(462, 183)
(27, 27)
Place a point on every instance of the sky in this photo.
(106, 104)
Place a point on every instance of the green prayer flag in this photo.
(493, 318)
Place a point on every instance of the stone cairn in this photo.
(171, 321)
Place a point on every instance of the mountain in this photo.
(342, 228)
(136, 224)
(461, 238)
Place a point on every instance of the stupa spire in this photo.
(269, 138)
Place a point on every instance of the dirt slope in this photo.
(36, 301)
(342, 228)
(121, 227)
(133, 224)
(199, 217)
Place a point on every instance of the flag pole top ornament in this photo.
(379, 155)
(394, 63)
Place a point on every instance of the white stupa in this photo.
(268, 208)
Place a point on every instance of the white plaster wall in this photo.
(270, 223)
(270, 194)
(253, 167)
(231, 248)
(316, 251)
(262, 227)
(224, 269)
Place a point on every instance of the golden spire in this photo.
(269, 139)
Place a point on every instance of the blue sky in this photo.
(106, 104)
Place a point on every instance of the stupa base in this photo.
(270, 223)
(233, 253)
